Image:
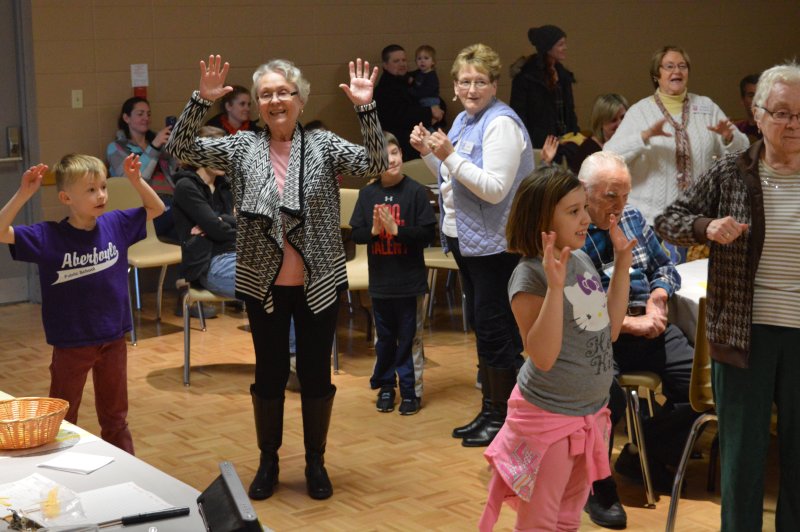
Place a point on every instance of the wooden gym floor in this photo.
(389, 472)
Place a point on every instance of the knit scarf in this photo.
(683, 148)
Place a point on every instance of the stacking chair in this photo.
(630, 383)
(195, 295)
(357, 268)
(435, 259)
(701, 398)
(417, 170)
(147, 253)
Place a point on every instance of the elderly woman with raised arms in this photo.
(671, 137)
(747, 208)
(290, 258)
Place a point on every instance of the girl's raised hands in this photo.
(212, 78)
(622, 246)
(362, 82)
(555, 267)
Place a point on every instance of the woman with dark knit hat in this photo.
(541, 90)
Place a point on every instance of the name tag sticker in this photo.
(701, 108)
(466, 147)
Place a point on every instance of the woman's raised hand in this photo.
(656, 130)
(440, 145)
(212, 78)
(724, 128)
(555, 267)
(419, 139)
(362, 82)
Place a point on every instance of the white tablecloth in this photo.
(684, 303)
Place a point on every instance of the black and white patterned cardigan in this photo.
(308, 211)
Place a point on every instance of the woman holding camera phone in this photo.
(158, 166)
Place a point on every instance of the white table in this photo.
(683, 305)
(124, 468)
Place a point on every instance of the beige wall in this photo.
(89, 45)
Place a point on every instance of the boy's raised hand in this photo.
(132, 167)
(32, 180)
(555, 267)
(377, 224)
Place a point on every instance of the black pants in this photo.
(271, 342)
(485, 283)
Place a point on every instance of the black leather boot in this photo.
(268, 414)
(316, 420)
(480, 420)
(501, 383)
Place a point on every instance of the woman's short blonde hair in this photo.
(605, 108)
(480, 57)
(288, 70)
(74, 166)
(787, 73)
(655, 62)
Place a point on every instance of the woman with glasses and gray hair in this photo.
(290, 259)
(671, 137)
(745, 209)
(480, 164)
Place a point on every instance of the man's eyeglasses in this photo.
(781, 116)
(283, 96)
(479, 84)
(671, 67)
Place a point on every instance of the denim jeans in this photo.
(221, 278)
(396, 326)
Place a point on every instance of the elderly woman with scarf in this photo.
(672, 136)
(290, 258)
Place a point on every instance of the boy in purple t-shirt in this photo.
(83, 271)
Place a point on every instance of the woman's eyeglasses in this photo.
(781, 116)
(672, 67)
(283, 96)
(479, 84)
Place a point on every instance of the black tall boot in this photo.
(501, 383)
(316, 420)
(269, 431)
(476, 424)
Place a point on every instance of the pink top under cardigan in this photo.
(527, 434)
(291, 272)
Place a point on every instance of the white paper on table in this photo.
(106, 504)
(77, 462)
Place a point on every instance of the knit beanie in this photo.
(545, 37)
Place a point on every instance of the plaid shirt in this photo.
(650, 269)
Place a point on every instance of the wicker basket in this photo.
(30, 421)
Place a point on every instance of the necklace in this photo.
(603, 265)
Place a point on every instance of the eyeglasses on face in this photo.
(671, 67)
(283, 96)
(479, 84)
(781, 116)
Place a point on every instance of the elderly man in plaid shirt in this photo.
(647, 341)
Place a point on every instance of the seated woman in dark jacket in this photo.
(206, 225)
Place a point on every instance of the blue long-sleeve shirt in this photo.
(651, 267)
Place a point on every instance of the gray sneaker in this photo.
(385, 401)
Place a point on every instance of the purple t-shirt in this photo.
(83, 275)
